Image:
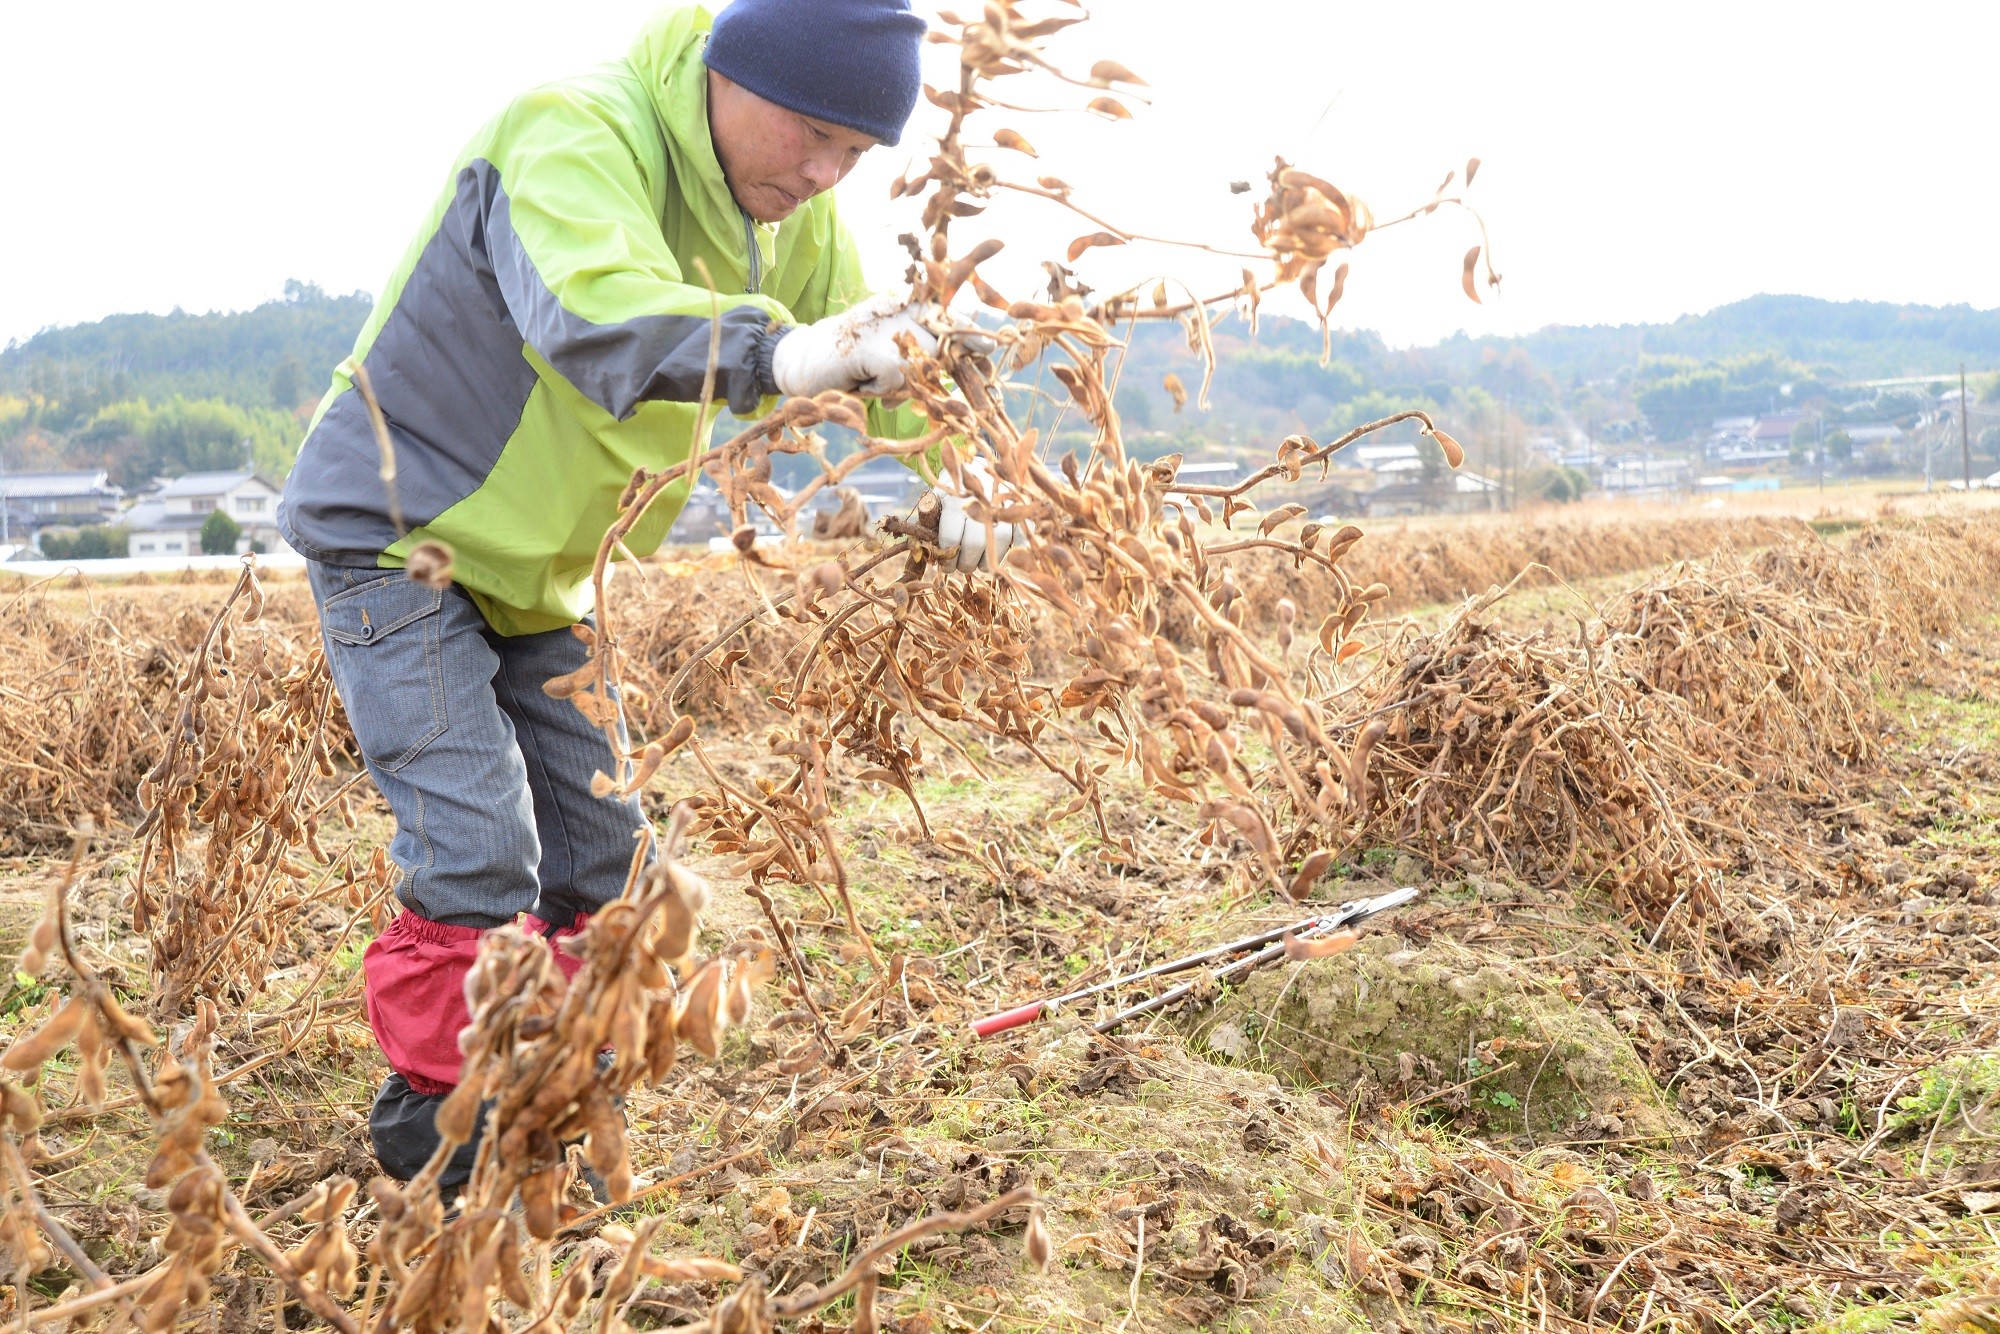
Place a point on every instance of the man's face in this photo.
(774, 159)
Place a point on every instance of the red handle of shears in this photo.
(1000, 1023)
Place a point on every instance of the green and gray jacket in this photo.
(547, 333)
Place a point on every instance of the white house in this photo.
(1740, 450)
(167, 521)
(1730, 438)
(1646, 475)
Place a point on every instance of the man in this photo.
(545, 334)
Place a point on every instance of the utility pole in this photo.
(1928, 423)
(1964, 436)
(1512, 487)
(1819, 449)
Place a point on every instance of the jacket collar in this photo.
(667, 58)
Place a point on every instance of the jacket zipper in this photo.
(756, 259)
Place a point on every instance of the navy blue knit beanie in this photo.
(851, 62)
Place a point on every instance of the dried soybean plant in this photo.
(897, 658)
(1517, 751)
(88, 675)
(249, 764)
(1428, 566)
(179, 1096)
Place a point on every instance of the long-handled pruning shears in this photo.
(1327, 934)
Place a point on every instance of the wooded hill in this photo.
(1612, 381)
(146, 395)
(150, 395)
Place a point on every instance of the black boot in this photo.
(403, 1124)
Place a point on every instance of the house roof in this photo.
(1401, 463)
(30, 485)
(1363, 453)
(201, 484)
(150, 516)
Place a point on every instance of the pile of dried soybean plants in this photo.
(88, 670)
(1640, 750)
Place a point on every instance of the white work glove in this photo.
(958, 529)
(854, 351)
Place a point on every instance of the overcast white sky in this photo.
(1641, 161)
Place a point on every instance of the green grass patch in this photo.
(1947, 1088)
(1934, 718)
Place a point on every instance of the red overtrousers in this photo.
(416, 973)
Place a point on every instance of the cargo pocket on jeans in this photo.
(384, 645)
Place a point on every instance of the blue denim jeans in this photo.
(488, 777)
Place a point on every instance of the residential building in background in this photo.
(167, 518)
(32, 501)
(1385, 458)
(1642, 475)
(1458, 492)
(1774, 430)
(886, 486)
(1879, 446)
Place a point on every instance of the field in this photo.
(1543, 1097)
(1693, 1023)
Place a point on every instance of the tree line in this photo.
(158, 395)
(145, 396)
